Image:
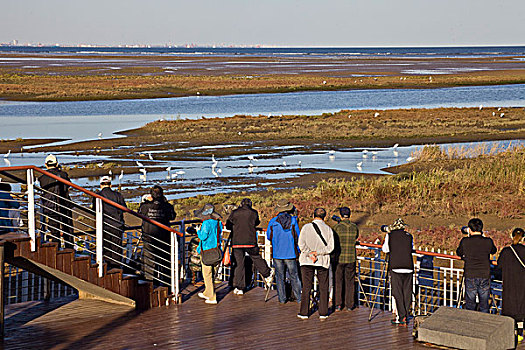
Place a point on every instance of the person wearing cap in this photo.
(157, 241)
(511, 261)
(243, 223)
(475, 250)
(345, 234)
(210, 236)
(114, 225)
(316, 242)
(283, 231)
(399, 246)
(56, 204)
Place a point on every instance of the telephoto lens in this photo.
(385, 228)
(464, 230)
(336, 218)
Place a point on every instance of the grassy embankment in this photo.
(446, 184)
(83, 86)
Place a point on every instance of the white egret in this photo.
(7, 154)
(502, 115)
(110, 173)
(150, 156)
(332, 151)
(7, 162)
(480, 107)
(284, 162)
(100, 165)
(376, 114)
(396, 145)
(300, 163)
(139, 164)
(409, 159)
(168, 169)
(493, 114)
(100, 136)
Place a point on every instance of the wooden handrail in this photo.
(92, 194)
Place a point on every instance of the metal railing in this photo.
(50, 216)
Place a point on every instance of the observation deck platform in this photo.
(236, 322)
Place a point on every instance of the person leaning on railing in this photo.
(156, 248)
(7, 204)
(56, 203)
(475, 250)
(210, 235)
(511, 261)
(114, 225)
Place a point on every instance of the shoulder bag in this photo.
(213, 256)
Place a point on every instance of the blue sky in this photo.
(266, 22)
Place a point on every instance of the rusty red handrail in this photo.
(92, 194)
(439, 255)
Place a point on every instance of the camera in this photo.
(336, 218)
(385, 228)
(465, 231)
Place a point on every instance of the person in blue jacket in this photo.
(7, 204)
(210, 235)
(283, 232)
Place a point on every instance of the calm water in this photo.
(478, 51)
(85, 120)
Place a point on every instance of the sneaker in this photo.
(268, 280)
(337, 308)
(202, 296)
(237, 291)
(208, 301)
(322, 318)
(396, 321)
(520, 339)
(302, 317)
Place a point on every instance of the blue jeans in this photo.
(281, 265)
(479, 287)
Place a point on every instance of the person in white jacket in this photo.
(316, 242)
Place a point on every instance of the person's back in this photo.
(159, 210)
(283, 232)
(401, 245)
(347, 233)
(475, 251)
(55, 193)
(243, 222)
(109, 210)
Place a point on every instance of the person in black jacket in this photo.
(242, 223)
(475, 250)
(156, 241)
(114, 225)
(511, 261)
(400, 245)
(56, 204)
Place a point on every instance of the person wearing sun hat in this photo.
(210, 236)
(56, 203)
(113, 228)
(283, 232)
(399, 244)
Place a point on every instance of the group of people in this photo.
(57, 221)
(299, 254)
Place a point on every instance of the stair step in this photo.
(48, 254)
(65, 260)
(81, 267)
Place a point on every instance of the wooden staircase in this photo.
(80, 273)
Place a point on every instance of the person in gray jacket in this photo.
(316, 242)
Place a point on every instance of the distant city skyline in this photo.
(286, 23)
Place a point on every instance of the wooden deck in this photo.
(237, 322)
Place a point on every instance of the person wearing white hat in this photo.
(114, 224)
(56, 204)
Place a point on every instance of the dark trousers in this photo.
(112, 246)
(402, 292)
(307, 272)
(480, 287)
(156, 260)
(239, 278)
(60, 224)
(345, 282)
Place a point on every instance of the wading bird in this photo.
(7, 154)
(168, 169)
(100, 136)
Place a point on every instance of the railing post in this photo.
(174, 265)
(99, 236)
(31, 226)
(182, 247)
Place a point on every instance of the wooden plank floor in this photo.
(237, 322)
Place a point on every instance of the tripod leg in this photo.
(376, 293)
